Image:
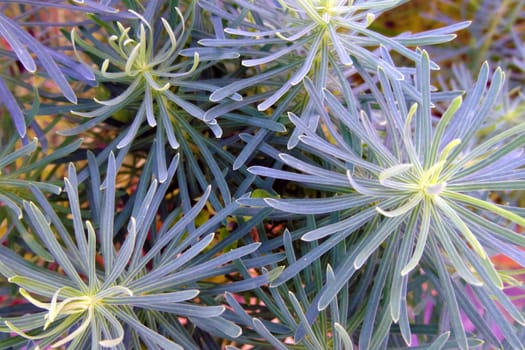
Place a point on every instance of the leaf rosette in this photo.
(415, 183)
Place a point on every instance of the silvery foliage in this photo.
(35, 56)
(138, 294)
(381, 187)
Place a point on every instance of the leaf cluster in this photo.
(273, 174)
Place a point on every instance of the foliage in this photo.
(124, 289)
(274, 174)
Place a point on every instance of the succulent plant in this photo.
(413, 182)
(270, 174)
(139, 287)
